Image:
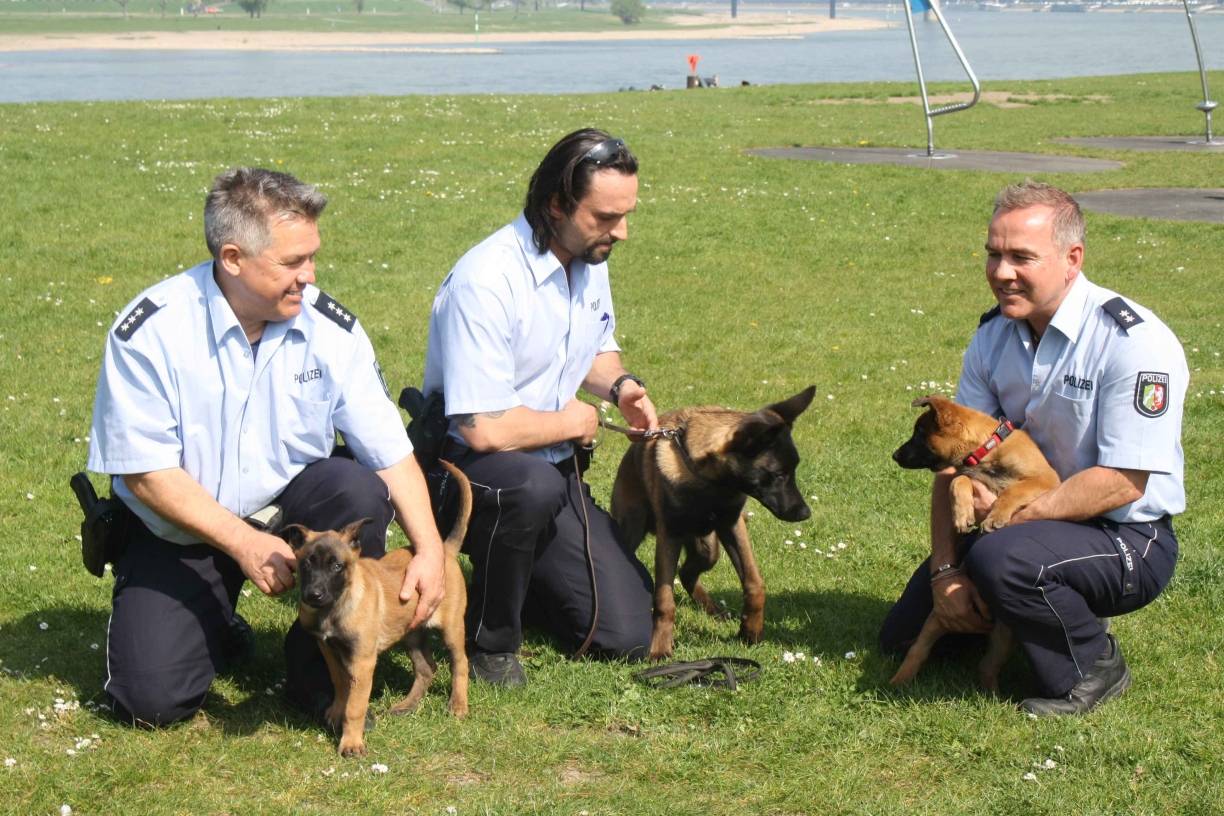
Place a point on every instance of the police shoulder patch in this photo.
(1152, 393)
(1122, 312)
(333, 311)
(989, 316)
(141, 312)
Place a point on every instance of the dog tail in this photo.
(459, 530)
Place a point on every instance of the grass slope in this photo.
(745, 280)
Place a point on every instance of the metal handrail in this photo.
(960, 55)
(1207, 105)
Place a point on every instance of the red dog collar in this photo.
(1000, 433)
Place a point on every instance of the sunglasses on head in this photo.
(604, 152)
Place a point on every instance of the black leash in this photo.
(590, 559)
(713, 671)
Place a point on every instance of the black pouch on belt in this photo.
(104, 527)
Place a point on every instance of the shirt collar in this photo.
(1070, 315)
(222, 316)
(543, 265)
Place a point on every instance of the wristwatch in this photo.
(614, 391)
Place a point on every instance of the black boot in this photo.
(498, 668)
(1107, 679)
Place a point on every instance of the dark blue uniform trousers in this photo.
(172, 604)
(526, 545)
(1050, 581)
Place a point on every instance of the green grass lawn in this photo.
(416, 16)
(744, 280)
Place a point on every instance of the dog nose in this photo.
(313, 596)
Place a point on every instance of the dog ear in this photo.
(790, 409)
(756, 432)
(935, 402)
(294, 535)
(352, 531)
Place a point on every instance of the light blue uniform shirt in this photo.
(509, 328)
(180, 387)
(1105, 386)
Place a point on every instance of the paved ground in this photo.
(1177, 204)
(1193, 142)
(988, 160)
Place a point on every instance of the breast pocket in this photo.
(308, 434)
(1071, 426)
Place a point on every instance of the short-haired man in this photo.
(1099, 383)
(221, 391)
(523, 320)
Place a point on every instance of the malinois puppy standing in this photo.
(986, 450)
(352, 605)
(688, 487)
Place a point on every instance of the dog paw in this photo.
(352, 748)
(750, 634)
(459, 709)
(992, 523)
(964, 522)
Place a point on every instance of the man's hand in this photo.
(636, 407)
(267, 561)
(424, 578)
(584, 419)
(983, 500)
(958, 605)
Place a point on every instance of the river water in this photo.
(999, 45)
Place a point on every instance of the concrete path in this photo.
(1196, 144)
(988, 160)
(1177, 204)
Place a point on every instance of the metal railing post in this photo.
(1207, 105)
(927, 111)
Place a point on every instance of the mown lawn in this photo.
(744, 280)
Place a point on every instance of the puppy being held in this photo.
(688, 486)
(352, 605)
(1000, 457)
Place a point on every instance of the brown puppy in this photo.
(986, 450)
(352, 605)
(689, 489)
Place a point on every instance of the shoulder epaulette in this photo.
(141, 312)
(1122, 312)
(989, 316)
(334, 312)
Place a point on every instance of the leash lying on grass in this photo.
(712, 671)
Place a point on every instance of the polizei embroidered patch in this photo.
(1151, 393)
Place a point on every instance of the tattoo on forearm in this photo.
(469, 420)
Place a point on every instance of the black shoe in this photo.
(498, 668)
(1107, 679)
(238, 643)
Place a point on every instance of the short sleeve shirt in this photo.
(1105, 386)
(181, 387)
(509, 327)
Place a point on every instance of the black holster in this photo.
(105, 527)
(428, 426)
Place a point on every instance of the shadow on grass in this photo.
(834, 624)
(68, 645)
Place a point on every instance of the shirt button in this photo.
(246, 354)
(246, 470)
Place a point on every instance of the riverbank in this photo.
(706, 26)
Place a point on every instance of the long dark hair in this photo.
(565, 175)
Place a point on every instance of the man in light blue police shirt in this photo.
(521, 323)
(1099, 383)
(222, 390)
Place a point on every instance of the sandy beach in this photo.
(711, 26)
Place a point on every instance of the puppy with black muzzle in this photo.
(983, 449)
(352, 605)
(689, 486)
